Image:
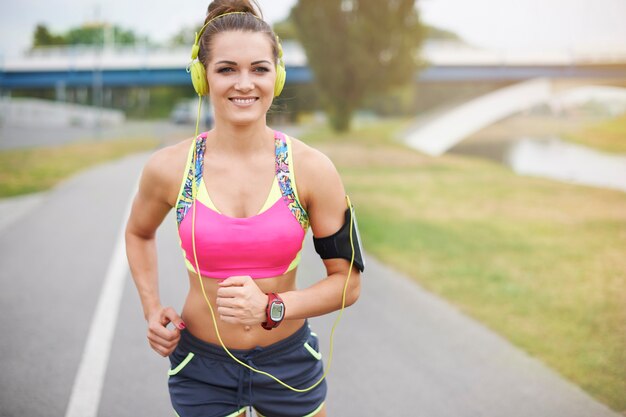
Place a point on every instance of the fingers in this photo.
(237, 297)
(236, 316)
(237, 286)
(227, 313)
(233, 320)
(235, 281)
(231, 309)
(163, 347)
(161, 339)
(241, 305)
(232, 302)
(229, 292)
(172, 317)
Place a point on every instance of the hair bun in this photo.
(220, 7)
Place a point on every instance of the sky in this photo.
(503, 25)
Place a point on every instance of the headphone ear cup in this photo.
(198, 78)
(281, 72)
(281, 76)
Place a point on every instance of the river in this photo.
(551, 157)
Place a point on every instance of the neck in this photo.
(241, 139)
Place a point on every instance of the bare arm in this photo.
(324, 194)
(150, 206)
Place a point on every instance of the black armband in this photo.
(338, 244)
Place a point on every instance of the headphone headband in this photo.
(195, 48)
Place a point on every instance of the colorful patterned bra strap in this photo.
(284, 180)
(186, 199)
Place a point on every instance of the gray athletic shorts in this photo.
(205, 382)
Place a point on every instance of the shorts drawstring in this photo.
(240, 400)
(248, 359)
(250, 375)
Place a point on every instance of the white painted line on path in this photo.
(85, 398)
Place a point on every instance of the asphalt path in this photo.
(399, 351)
(15, 137)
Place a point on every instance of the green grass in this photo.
(24, 171)
(538, 261)
(608, 136)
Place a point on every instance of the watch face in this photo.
(277, 311)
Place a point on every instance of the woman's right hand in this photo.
(161, 339)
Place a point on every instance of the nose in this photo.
(244, 82)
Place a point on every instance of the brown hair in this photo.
(248, 19)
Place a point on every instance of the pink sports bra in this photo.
(265, 245)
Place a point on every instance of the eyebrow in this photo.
(253, 63)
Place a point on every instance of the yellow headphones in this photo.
(198, 72)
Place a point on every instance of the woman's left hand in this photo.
(240, 301)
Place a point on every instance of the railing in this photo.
(25, 112)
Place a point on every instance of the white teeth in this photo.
(243, 100)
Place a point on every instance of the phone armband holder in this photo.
(340, 244)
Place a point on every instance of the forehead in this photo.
(241, 46)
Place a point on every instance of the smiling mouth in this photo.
(243, 100)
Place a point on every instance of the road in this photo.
(14, 137)
(399, 351)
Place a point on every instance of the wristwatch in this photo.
(274, 312)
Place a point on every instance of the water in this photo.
(559, 160)
(553, 158)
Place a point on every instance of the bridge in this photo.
(147, 66)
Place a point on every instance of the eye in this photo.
(261, 69)
(225, 70)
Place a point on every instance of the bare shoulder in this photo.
(312, 162)
(316, 176)
(168, 161)
(164, 170)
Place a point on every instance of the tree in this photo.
(95, 33)
(356, 48)
(286, 30)
(92, 34)
(185, 36)
(433, 32)
(88, 34)
(43, 37)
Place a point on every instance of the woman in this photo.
(245, 244)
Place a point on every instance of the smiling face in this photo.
(241, 76)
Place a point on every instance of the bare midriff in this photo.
(197, 316)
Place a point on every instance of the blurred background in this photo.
(483, 143)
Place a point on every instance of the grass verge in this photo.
(24, 171)
(540, 262)
(607, 136)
